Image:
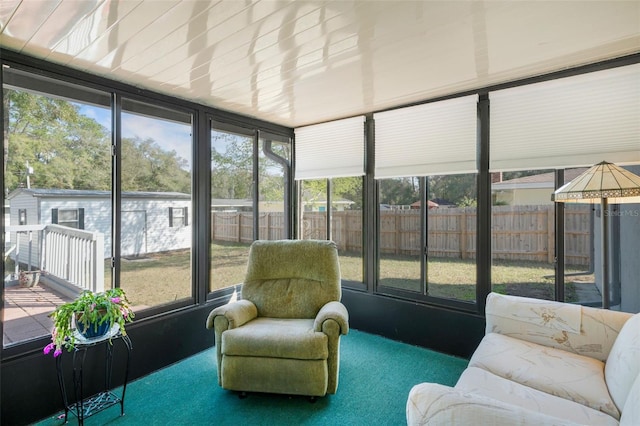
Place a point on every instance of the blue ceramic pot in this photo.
(90, 331)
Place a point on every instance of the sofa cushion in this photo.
(276, 338)
(631, 411)
(554, 324)
(481, 382)
(623, 364)
(567, 375)
(437, 405)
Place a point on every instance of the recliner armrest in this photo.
(237, 313)
(333, 311)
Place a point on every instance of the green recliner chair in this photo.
(284, 335)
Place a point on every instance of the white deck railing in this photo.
(74, 255)
(66, 255)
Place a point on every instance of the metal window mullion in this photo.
(483, 218)
(371, 219)
(116, 194)
(329, 215)
(256, 189)
(201, 205)
(559, 258)
(424, 234)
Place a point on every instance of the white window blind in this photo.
(327, 150)
(434, 138)
(569, 122)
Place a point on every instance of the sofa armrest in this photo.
(236, 313)
(335, 311)
(434, 404)
(579, 329)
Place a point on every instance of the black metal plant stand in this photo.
(84, 407)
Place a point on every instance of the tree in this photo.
(146, 167)
(456, 189)
(69, 150)
(399, 191)
(64, 148)
(231, 166)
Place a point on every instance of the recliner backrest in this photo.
(292, 278)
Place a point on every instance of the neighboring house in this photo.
(231, 205)
(430, 203)
(151, 221)
(529, 190)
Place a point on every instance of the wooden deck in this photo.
(26, 312)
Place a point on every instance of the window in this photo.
(71, 218)
(425, 164)
(428, 224)
(232, 207)
(250, 197)
(178, 216)
(274, 164)
(62, 132)
(522, 234)
(329, 170)
(551, 127)
(156, 163)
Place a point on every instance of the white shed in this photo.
(151, 221)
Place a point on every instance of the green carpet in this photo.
(376, 375)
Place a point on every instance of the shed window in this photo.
(22, 216)
(178, 217)
(72, 218)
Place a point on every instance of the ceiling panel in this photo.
(302, 62)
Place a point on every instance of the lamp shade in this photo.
(603, 180)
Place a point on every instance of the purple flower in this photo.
(57, 352)
(48, 348)
(115, 300)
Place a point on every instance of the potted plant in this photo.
(91, 314)
(28, 278)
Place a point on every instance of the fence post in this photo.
(346, 220)
(463, 233)
(398, 230)
(213, 226)
(550, 236)
(239, 227)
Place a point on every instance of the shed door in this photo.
(134, 233)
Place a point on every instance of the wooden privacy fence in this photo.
(519, 233)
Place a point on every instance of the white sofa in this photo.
(542, 363)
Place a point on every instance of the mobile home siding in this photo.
(145, 219)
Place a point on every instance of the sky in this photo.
(170, 136)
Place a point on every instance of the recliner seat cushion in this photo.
(554, 371)
(276, 338)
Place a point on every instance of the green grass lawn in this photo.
(161, 278)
